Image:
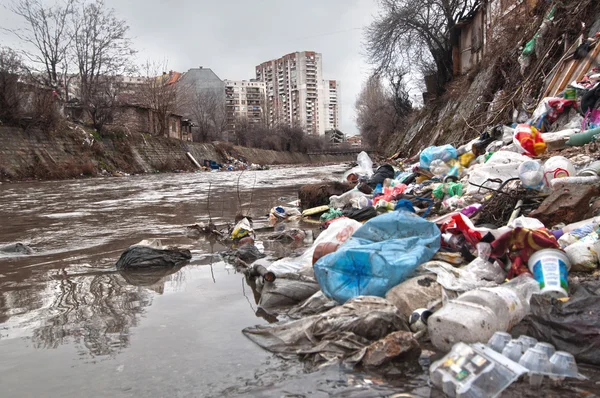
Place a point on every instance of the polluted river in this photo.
(72, 325)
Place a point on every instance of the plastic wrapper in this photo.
(242, 229)
(529, 140)
(379, 256)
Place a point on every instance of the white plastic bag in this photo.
(503, 165)
(364, 168)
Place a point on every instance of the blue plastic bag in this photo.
(380, 255)
(444, 153)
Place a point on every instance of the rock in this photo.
(139, 256)
(248, 253)
(420, 292)
(16, 248)
(566, 204)
(316, 195)
(397, 346)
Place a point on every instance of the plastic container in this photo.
(558, 167)
(531, 174)
(550, 269)
(547, 348)
(528, 342)
(477, 314)
(499, 341)
(563, 364)
(514, 350)
(474, 371)
(537, 362)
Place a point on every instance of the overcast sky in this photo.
(233, 36)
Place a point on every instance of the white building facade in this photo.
(295, 92)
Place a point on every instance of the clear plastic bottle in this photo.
(476, 315)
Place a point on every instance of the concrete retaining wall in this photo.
(26, 154)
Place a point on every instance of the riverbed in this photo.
(71, 326)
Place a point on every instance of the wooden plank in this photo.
(189, 155)
(588, 63)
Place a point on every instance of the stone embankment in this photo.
(33, 154)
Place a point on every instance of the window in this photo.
(174, 126)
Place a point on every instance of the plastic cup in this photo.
(537, 362)
(550, 267)
(547, 348)
(528, 342)
(563, 364)
(513, 350)
(498, 341)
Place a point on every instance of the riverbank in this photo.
(77, 152)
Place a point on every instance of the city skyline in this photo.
(233, 37)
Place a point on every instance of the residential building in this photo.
(142, 119)
(331, 104)
(244, 100)
(294, 91)
(477, 33)
(335, 136)
(354, 140)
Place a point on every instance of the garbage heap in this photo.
(458, 246)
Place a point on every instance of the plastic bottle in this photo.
(558, 167)
(476, 315)
(531, 174)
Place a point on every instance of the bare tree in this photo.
(47, 34)
(207, 109)
(416, 34)
(102, 51)
(375, 113)
(11, 97)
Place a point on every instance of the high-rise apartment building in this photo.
(244, 100)
(331, 104)
(294, 91)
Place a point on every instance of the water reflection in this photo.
(97, 311)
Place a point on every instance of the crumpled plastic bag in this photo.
(444, 153)
(242, 229)
(379, 256)
(462, 279)
(286, 291)
(339, 333)
(339, 231)
(528, 140)
(314, 305)
(572, 326)
(364, 168)
(502, 165)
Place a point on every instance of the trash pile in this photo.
(231, 164)
(455, 247)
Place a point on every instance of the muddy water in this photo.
(72, 326)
